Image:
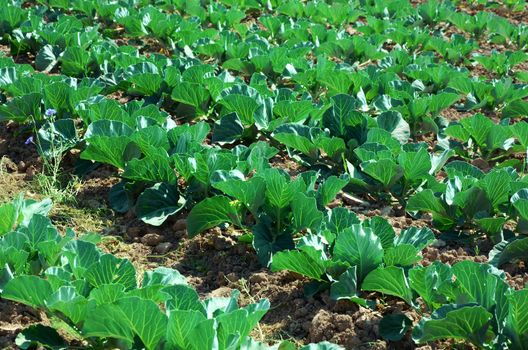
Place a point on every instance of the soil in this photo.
(13, 319)
(216, 263)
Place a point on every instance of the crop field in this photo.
(263, 174)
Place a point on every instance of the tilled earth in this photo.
(216, 263)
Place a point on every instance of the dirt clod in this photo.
(163, 247)
(151, 239)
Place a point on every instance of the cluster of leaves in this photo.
(458, 305)
(468, 301)
(468, 198)
(154, 158)
(343, 252)
(270, 205)
(96, 297)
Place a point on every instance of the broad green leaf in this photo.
(389, 280)
(8, 217)
(40, 230)
(340, 219)
(239, 323)
(346, 287)
(426, 201)
(383, 229)
(145, 84)
(228, 129)
(385, 171)
(341, 116)
(359, 246)
(402, 255)
(394, 123)
(39, 335)
(369, 152)
(497, 187)
(509, 251)
(81, 255)
(191, 94)
(183, 297)
(28, 290)
(58, 95)
(279, 189)
(479, 283)
(180, 325)
(442, 101)
(305, 213)
(462, 169)
(394, 326)
(429, 282)
(107, 141)
(520, 202)
(119, 198)
(383, 137)
(473, 201)
(210, 213)
(111, 270)
(127, 317)
(152, 140)
(520, 130)
(417, 237)
(457, 322)
(268, 240)
(331, 187)
(415, 165)
(307, 262)
(107, 293)
(153, 168)
(30, 207)
(250, 192)
(67, 301)
(157, 203)
(491, 226)
(457, 131)
(47, 58)
(517, 319)
(22, 108)
(299, 137)
(334, 147)
(74, 61)
(517, 108)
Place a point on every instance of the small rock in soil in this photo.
(221, 292)
(232, 277)
(259, 277)
(386, 211)
(163, 247)
(222, 243)
(438, 243)
(9, 165)
(180, 234)
(30, 172)
(151, 239)
(22, 166)
(221, 280)
(180, 225)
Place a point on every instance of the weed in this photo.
(53, 182)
